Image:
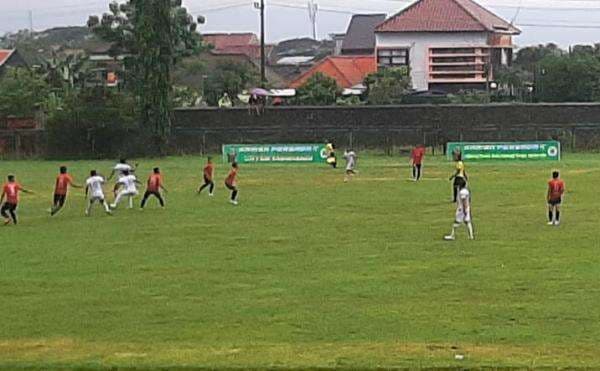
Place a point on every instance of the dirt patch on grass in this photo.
(66, 351)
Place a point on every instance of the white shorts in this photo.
(462, 218)
(128, 193)
(97, 198)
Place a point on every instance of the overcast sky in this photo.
(561, 21)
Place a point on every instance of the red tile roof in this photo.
(446, 16)
(4, 55)
(347, 71)
(226, 40)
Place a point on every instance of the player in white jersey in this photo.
(126, 187)
(350, 157)
(463, 211)
(93, 189)
(121, 168)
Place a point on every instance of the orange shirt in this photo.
(154, 182)
(208, 171)
(63, 181)
(556, 188)
(231, 177)
(417, 155)
(11, 190)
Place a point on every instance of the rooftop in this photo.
(446, 16)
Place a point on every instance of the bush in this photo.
(95, 124)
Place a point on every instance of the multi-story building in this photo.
(448, 45)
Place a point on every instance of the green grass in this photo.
(307, 272)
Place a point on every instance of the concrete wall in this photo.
(419, 44)
(389, 128)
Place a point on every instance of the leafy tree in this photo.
(22, 92)
(318, 90)
(512, 82)
(529, 57)
(231, 78)
(569, 79)
(388, 86)
(154, 34)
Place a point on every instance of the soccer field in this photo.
(307, 271)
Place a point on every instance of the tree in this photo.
(513, 83)
(388, 86)
(22, 92)
(154, 34)
(529, 57)
(318, 90)
(231, 78)
(569, 79)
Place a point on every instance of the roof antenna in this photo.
(514, 19)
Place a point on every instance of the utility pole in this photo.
(313, 9)
(31, 22)
(263, 77)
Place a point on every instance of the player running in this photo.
(556, 190)
(93, 189)
(459, 176)
(10, 192)
(121, 168)
(463, 211)
(153, 188)
(63, 181)
(126, 187)
(416, 161)
(231, 183)
(209, 175)
(350, 157)
(331, 157)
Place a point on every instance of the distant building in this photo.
(448, 45)
(347, 71)
(235, 43)
(338, 40)
(10, 58)
(360, 36)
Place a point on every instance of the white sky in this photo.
(564, 21)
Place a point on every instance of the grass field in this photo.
(307, 272)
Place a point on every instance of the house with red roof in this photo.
(448, 45)
(12, 58)
(347, 71)
(235, 44)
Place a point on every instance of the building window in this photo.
(458, 64)
(392, 57)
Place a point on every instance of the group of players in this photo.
(462, 194)
(127, 184)
(126, 187)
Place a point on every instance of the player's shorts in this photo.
(9, 207)
(97, 198)
(555, 202)
(128, 193)
(462, 218)
(59, 199)
(207, 180)
(230, 187)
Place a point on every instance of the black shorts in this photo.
(60, 199)
(230, 187)
(152, 193)
(207, 180)
(9, 207)
(555, 202)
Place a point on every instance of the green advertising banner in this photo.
(549, 150)
(265, 153)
